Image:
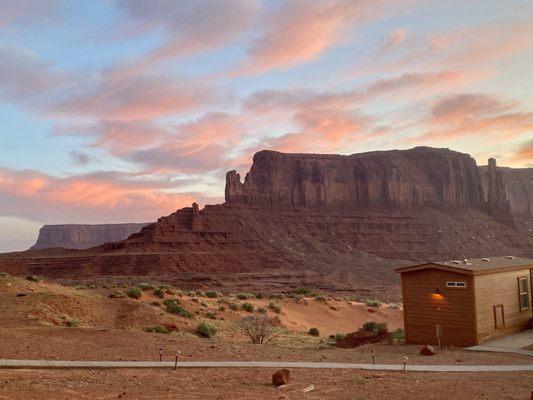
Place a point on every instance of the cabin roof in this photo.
(474, 266)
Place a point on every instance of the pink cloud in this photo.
(524, 153)
(188, 26)
(103, 197)
(135, 98)
(476, 114)
(301, 31)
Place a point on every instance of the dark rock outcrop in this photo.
(416, 178)
(83, 236)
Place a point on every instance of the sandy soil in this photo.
(255, 384)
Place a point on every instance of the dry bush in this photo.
(259, 329)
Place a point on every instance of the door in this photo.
(499, 317)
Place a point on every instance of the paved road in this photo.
(20, 364)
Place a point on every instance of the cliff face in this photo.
(420, 177)
(83, 236)
(509, 193)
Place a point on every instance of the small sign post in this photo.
(160, 354)
(176, 360)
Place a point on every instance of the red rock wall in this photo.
(420, 177)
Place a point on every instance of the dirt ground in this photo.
(34, 326)
(255, 384)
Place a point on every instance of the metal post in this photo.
(160, 354)
(176, 360)
(405, 358)
(438, 333)
(373, 357)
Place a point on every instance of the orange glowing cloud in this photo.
(105, 197)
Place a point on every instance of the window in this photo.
(523, 293)
(453, 284)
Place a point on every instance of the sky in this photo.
(127, 110)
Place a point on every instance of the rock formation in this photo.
(83, 236)
(329, 221)
(416, 178)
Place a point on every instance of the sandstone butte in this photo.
(335, 222)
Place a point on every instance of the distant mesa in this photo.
(75, 236)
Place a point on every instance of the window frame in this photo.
(525, 293)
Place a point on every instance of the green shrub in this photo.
(173, 307)
(4, 275)
(304, 290)
(145, 286)
(373, 326)
(259, 295)
(243, 296)
(159, 293)
(170, 291)
(372, 303)
(262, 310)
(34, 278)
(314, 332)
(134, 292)
(156, 329)
(211, 315)
(278, 296)
(248, 307)
(221, 308)
(191, 294)
(205, 330)
(199, 293)
(72, 323)
(398, 336)
(234, 306)
(117, 295)
(211, 294)
(320, 298)
(339, 336)
(274, 307)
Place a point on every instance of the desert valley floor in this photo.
(47, 320)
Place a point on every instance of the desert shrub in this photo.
(248, 307)
(259, 329)
(170, 291)
(72, 323)
(243, 296)
(172, 307)
(259, 295)
(134, 292)
(117, 295)
(398, 336)
(34, 278)
(274, 307)
(221, 308)
(210, 315)
(304, 290)
(396, 306)
(278, 296)
(191, 294)
(314, 332)
(339, 336)
(234, 306)
(262, 310)
(145, 286)
(195, 299)
(4, 275)
(372, 303)
(211, 294)
(205, 330)
(155, 304)
(159, 293)
(156, 329)
(373, 326)
(320, 298)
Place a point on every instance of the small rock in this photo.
(427, 350)
(281, 377)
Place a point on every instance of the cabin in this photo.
(466, 302)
